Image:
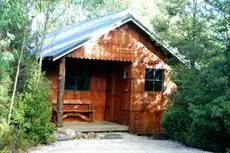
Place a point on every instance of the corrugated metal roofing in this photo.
(62, 41)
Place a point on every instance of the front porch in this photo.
(97, 126)
(93, 91)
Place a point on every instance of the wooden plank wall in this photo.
(128, 43)
(99, 90)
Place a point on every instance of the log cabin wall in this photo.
(127, 44)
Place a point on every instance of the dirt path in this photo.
(128, 144)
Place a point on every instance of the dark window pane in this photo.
(154, 79)
(70, 80)
(83, 84)
(70, 83)
(149, 73)
(83, 72)
(77, 77)
(158, 86)
(158, 75)
(148, 85)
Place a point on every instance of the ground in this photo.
(127, 144)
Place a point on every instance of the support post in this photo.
(61, 86)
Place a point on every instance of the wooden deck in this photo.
(102, 126)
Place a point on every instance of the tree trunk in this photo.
(61, 86)
(40, 46)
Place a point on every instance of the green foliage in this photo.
(5, 81)
(34, 106)
(200, 116)
(177, 129)
(97, 7)
(31, 113)
(201, 107)
(6, 136)
(210, 125)
(11, 138)
(32, 109)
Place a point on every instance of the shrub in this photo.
(32, 109)
(31, 115)
(176, 122)
(202, 127)
(200, 116)
(210, 126)
(10, 138)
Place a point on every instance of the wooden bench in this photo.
(74, 111)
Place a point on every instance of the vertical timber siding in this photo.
(124, 44)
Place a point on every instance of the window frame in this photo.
(154, 80)
(77, 78)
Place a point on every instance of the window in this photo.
(77, 78)
(154, 79)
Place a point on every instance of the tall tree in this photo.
(202, 102)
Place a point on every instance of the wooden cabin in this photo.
(112, 68)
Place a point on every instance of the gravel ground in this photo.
(128, 144)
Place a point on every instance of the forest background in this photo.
(200, 29)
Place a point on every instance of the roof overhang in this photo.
(135, 19)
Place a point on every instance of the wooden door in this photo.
(117, 101)
(116, 97)
(110, 96)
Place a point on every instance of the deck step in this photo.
(100, 126)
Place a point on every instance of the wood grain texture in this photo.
(114, 98)
(60, 97)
